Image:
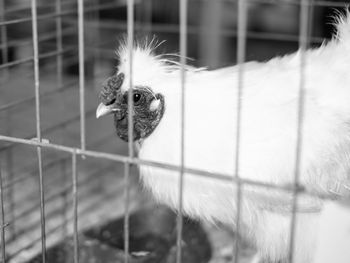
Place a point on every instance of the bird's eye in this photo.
(110, 102)
(136, 97)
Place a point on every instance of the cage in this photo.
(65, 176)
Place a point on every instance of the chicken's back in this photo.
(270, 118)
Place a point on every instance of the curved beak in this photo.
(103, 110)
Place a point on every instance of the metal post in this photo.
(183, 55)
(3, 240)
(3, 37)
(241, 52)
(75, 207)
(130, 32)
(303, 42)
(38, 124)
(126, 211)
(81, 72)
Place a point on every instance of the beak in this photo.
(103, 110)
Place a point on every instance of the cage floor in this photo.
(152, 238)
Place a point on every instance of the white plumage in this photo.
(269, 121)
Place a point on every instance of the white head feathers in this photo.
(147, 67)
(342, 24)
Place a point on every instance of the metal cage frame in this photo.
(40, 143)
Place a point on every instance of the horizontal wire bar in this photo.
(17, 62)
(49, 129)
(31, 59)
(85, 193)
(13, 104)
(253, 35)
(52, 128)
(15, 43)
(67, 61)
(65, 189)
(172, 167)
(72, 60)
(45, 4)
(62, 88)
(64, 13)
(53, 163)
(173, 29)
(196, 30)
(109, 195)
(48, 166)
(318, 3)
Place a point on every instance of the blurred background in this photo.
(272, 30)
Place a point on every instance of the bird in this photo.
(261, 103)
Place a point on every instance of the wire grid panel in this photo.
(50, 122)
(40, 41)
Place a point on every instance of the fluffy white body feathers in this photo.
(268, 137)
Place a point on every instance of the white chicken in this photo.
(268, 137)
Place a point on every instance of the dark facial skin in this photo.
(146, 116)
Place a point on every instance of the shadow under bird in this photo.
(268, 131)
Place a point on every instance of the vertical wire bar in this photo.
(148, 17)
(144, 17)
(90, 40)
(130, 24)
(81, 72)
(183, 55)
(310, 22)
(36, 68)
(3, 37)
(42, 206)
(75, 206)
(10, 174)
(211, 37)
(126, 211)
(97, 36)
(3, 240)
(59, 43)
(303, 41)
(10, 195)
(241, 50)
(38, 124)
(59, 58)
(130, 33)
(59, 78)
(65, 200)
(9, 159)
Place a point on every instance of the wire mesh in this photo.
(64, 45)
(183, 55)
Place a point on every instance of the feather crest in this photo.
(147, 66)
(342, 24)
